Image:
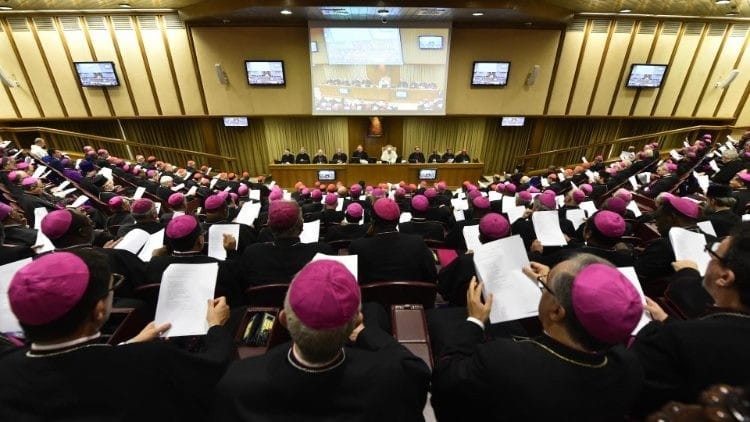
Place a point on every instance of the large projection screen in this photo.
(377, 70)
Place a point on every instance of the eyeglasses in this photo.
(542, 284)
(711, 249)
(117, 281)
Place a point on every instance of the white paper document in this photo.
(633, 182)
(106, 172)
(675, 155)
(8, 321)
(133, 241)
(471, 236)
(494, 196)
(405, 217)
(509, 202)
(689, 245)
(310, 232)
(216, 239)
(576, 216)
(629, 273)
(714, 166)
(139, 191)
(191, 192)
(339, 204)
(560, 200)
(460, 204)
(43, 243)
(39, 214)
(515, 213)
(632, 206)
(155, 241)
(349, 261)
(64, 193)
(178, 187)
(547, 228)
(707, 227)
(499, 265)
(39, 171)
(254, 194)
(589, 207)
(248, 213)
(183, 298)
(458, 215)
(702, 181)
(79, 201)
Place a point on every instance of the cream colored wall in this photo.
(163, 74)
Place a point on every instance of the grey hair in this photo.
(317, 346)
(562, 285)
(538, 206)
(725, 201)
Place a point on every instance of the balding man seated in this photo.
(321, 377)
(570, 372)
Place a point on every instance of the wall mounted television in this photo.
(430, 42)
(512, 121)
(490, 74)
(265, 72)
(643, 75)
(96, 74)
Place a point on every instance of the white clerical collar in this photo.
(64, 345)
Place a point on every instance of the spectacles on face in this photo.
(711, 248)
(117, 280)
(542, 284)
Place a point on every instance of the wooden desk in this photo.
(286, 175)
(379, 94)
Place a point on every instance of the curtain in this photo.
(248, 144)
(311, 133)
(439, 133)
(178, 133)
(322, 73)
(503, 144)
(566, 133)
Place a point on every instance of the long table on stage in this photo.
(286, 175)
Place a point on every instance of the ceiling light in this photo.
(477, 14)
(723, 1)
(732, 14)
(124, 5)
(286, 12)
(625, 11)
(383, 12)
(6, 8)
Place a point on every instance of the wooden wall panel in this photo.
(79, 51)
(536, 47)
(725, 62)
(678, 71)
(643, 38)
(132, 60)
(38, 75)
(583, 85)
(65, 79)
(22, 95)
(699, 72)
(610, 71)
(665, 44)
(230, 47)
(566, 69)
(187, 78)
(158, 65)
(731, 102)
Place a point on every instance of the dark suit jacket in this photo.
(378, 380)
(279, 261)
(345, 231)
(422, 227)
(393, 256)
(227, 280)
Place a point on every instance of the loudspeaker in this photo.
(221, 76)
(9, 81)
(728, 80)
(531, 77)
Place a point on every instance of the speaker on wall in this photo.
(8, 80)
(533, 74)
(221, 76)
(728, 80)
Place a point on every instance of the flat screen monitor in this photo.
(235, 121)
(430, 42)
(427, 174)
(646, 75)
(490, 74)
(512, 121)
(97, 74)
(402, 93)
(326, 175)
(265, 72)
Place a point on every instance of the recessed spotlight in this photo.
(286, 12)
(625, 11)
(732, 14)
(6, 8)
(384, 12)
(124, 5)
(477, 14)
(723, 1)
